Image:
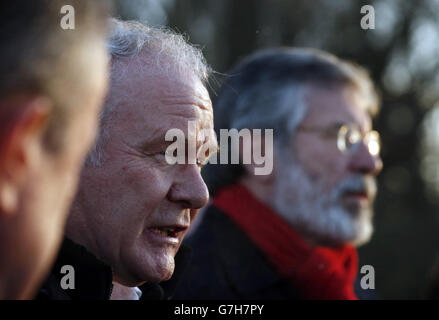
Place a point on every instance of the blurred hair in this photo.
(168, 50)
(39, 57)
(266, 91)
(129, 38)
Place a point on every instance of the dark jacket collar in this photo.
(244, 262)
(93, 278)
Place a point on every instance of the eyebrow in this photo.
(157, 139)
(154, 140)
(196, 100)
(337, 124)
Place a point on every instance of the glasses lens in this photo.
(349, 138)
(372, 140)
(341, 139)
(353, 136)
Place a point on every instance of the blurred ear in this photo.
(250, 170)
(260, 168)
(21, 143)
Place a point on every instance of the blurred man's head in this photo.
(52, 82)
(133, 208)
(326, 154)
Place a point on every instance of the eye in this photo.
(161, 154)
(168, 157)
(170, 153)
(332, 132)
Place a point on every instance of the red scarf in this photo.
(326, 273)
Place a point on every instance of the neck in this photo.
(261, 191)
(264, 194)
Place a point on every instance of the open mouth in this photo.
(172, 232)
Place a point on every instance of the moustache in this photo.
(357, 184)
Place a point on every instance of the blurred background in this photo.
(402, 54)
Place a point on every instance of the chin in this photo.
(159, 274)
(145, 272)
(364, 234)
(344, 228)
(162, 270)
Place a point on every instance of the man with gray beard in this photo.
(292, 233)
(318, 213)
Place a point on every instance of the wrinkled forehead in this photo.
(140, 78)
(337, 104)
(178, 100)
(150, 102)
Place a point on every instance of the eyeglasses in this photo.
(349, 138)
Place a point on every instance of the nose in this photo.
(362, 161)
(189, 188)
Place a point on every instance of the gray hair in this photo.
(267, 90)
(127, 40)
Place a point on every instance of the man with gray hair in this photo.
(291, 233)
(133, 209)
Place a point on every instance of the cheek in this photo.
(145, 181)
(320, 160)
(141, 190)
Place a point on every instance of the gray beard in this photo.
(317, 214)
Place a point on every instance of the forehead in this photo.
(151, 100)
(336, 104)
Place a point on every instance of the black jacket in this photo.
(227, 265)
(93, 278)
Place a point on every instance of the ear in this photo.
(21, 143)
(250, 170)
(260, 167)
